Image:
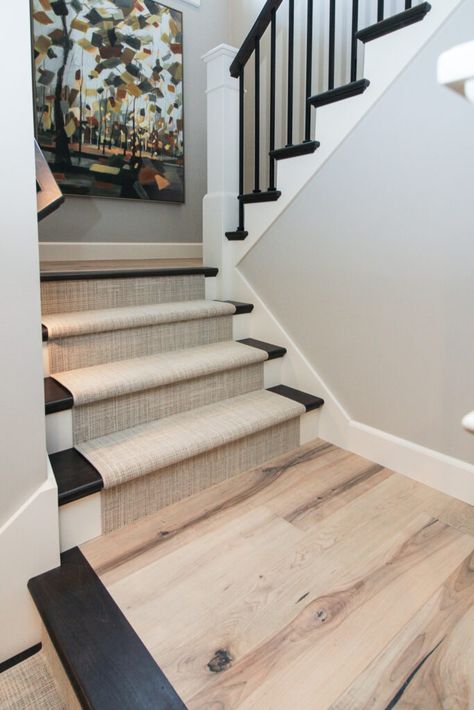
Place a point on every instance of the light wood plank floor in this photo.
(114, 264)
(317, 581)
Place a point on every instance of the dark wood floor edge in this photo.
(309, 401)
(273, 351)
(20, 657)
(206, 271)
(125, 678)
(57, 398)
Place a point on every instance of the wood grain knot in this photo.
(221, 661)
(321, 616)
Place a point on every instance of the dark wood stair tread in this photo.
(56, 397)
(394, 23)
(273, 351)
(240, 308)
(354, 88)
(250, 198)
(133, 273)
(75, 476)
(106, 662)
(310, 401)
(293, 151)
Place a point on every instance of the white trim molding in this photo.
(444, 473)
(100, 251)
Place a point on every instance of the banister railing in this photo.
(298, 79)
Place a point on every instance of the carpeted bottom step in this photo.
(149, 466)
(29, 684)
(127, 503)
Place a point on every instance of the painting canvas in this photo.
(109, 97)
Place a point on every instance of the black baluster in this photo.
(309, 70)
(355, 27)
(332, 43)
(271, 174)
(257, 116)
(408, 4)
(241, 147)
(380, 10)
(291, 61)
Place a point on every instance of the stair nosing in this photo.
(57, 398)
(309, 401)
(339, 93)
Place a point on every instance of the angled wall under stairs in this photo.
(149, 397)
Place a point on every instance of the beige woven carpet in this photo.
(96, 348)
(29, 686)
(136, 452)
(66, 325)
(143, 496)
(91, 294)
(114, 379)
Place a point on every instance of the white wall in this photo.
(106, 220)
(22, 447)
(370, 269)
(29, 540)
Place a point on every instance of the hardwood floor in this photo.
(113, 264)
(318, 581)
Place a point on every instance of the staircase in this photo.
(154, 392)
(148, 398)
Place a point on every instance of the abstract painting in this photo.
(109, 97)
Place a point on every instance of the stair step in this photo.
(76, 478)
(309, 401)
(145, 449)
(124, 377)
(394, 23)
(105, 661)
(339, 94)
(65, 325)
(56, 397)
(273, 351)
(238, 236)
(249, 198)
(131, 273)
(293, 151)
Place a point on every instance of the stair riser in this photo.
(129, 502)
(94, 294)
(82, 520)
(119, 413)
(95, 349)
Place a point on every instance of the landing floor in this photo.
(318, 581)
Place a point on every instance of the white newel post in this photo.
(220, 205)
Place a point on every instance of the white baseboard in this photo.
(100, 251)
(29, 545)
(444, 473)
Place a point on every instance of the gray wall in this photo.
(371, 269)
(105, 220)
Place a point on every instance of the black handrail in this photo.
(256, 33)
(252, 47)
